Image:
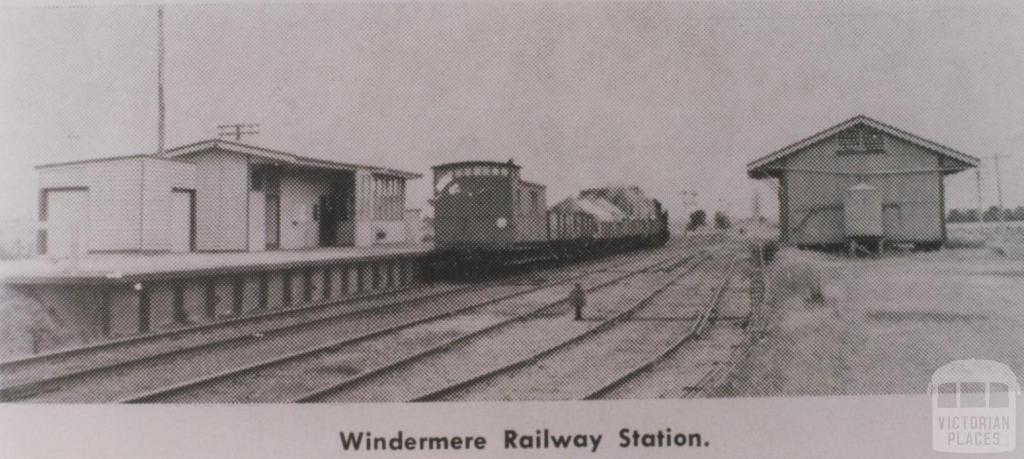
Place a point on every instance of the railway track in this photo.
(20, 376)
(702, 322)
(569, 369)
(282, 373)
(105, 371)
(698, 363)
(411, 377)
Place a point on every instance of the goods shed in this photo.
(862, 180)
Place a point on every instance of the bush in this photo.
(698, 218)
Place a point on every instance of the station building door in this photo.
(336, 210)
(183, 220)
(273, 221)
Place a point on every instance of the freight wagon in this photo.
(486, 217)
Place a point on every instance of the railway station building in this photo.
(862, 180)
(219, 196)
(210, 231)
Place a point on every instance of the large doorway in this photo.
(66, 213)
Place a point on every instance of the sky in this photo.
(674, 97)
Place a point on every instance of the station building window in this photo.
(388, 198)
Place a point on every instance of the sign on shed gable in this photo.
(861, 139)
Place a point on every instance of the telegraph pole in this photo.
(756, 206)
(999, 190)
(999, 187)
(160, 80)
(238, 130)
(981, 208)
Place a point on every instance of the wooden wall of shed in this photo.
(159, 178)
(813, 200)
(222, 201)
(115, 193)
(129, 200)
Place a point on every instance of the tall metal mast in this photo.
(160, 80)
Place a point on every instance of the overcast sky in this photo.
(673, 97)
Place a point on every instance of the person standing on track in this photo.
(578, 299)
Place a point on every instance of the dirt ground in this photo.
(25, 325)
(885, 324)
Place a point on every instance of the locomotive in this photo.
(487, 218)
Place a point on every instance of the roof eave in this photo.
(763, 173)
(280, 156)
(891, 130)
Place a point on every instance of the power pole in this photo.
(999, 185)
(238, 130)
(160, 80)
(756, 210)
(999, 190)
(981, 208)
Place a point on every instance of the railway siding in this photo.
(504, 347)
(697, 367)
(575, 371)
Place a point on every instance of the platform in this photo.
(122, 268)
(100, 297)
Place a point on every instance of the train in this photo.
(487, 218)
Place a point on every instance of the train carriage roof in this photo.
(630, 200)
(529, 184)
(601, 209)
(567, 206)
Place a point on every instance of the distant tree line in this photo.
(992, 214)
(699, 218)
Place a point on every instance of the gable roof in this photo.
(279, 156)
(754, 166)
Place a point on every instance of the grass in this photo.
(883, 325)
